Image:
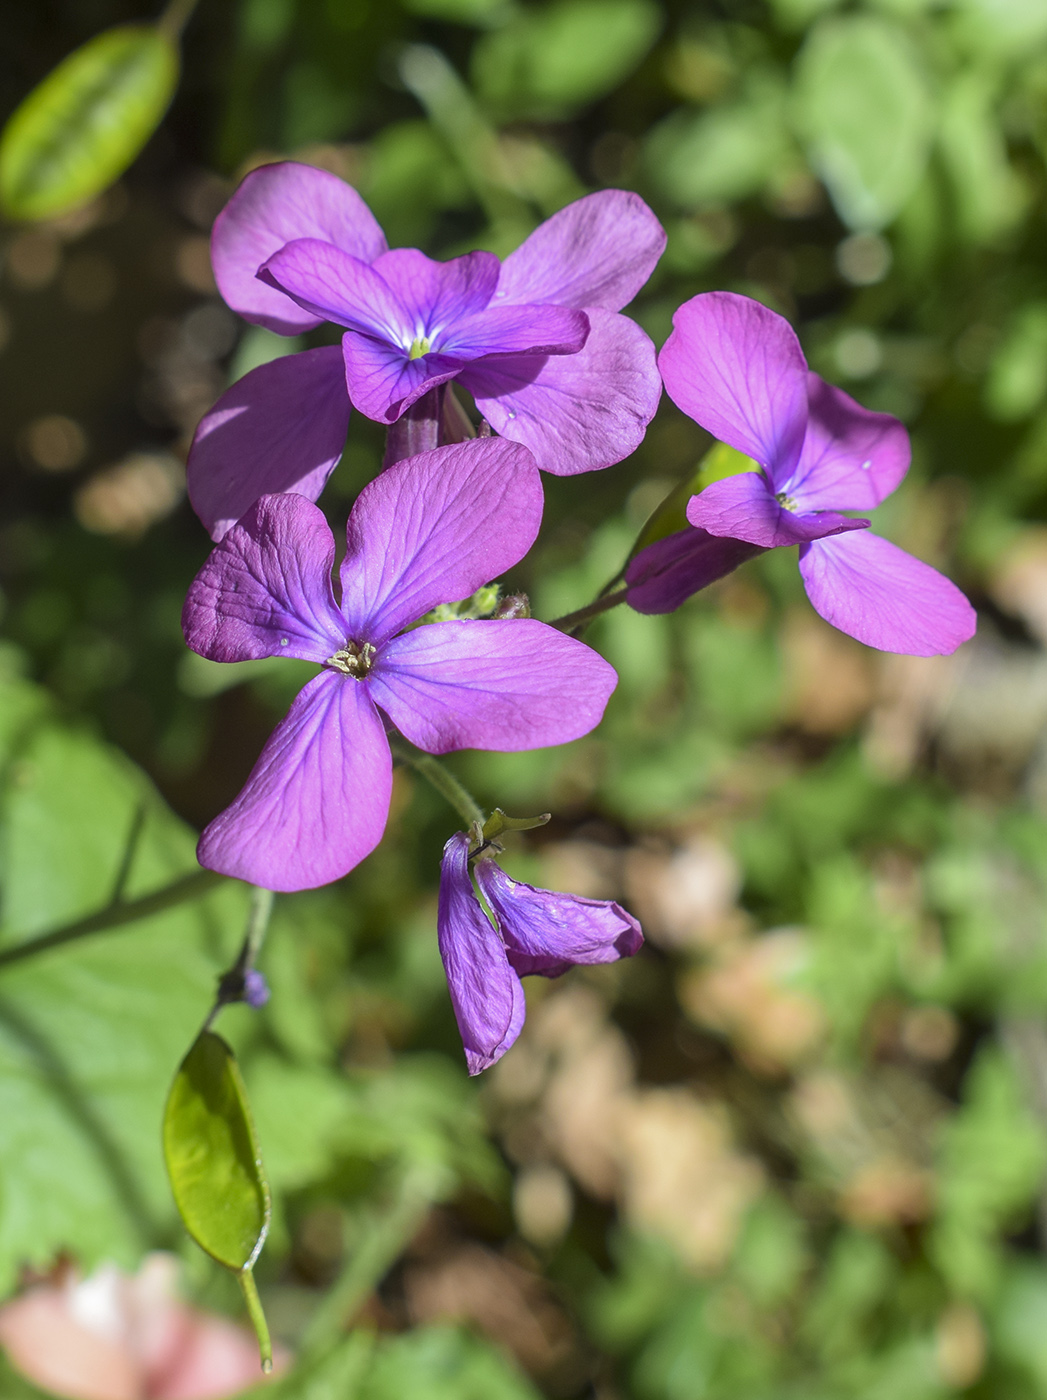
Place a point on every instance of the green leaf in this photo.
(212, 1156)
(988, 194)
(81, 128)
(863, 107)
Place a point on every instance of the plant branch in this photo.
(445, 783)
(571, 621)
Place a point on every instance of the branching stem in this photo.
(445, 783)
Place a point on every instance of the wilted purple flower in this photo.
(737, 369)
(536, 340)
(534, 933)
(256, 988)
(430, 530)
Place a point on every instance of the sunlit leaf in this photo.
(81, 128)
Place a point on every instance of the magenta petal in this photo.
(266, 589)
(506, 684)
(852, 459)
(872, 590)
(434, 528)
(742, 508)
(545, 933)
(668, 572)
(577, 413)
(738, 370)
(383, 382)
(438, 293)
(316, 801)
(333, 286)
(517, 330)
(280, 428)
(599, 251)
(274, 205)
(486, 995)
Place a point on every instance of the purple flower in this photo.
(537, 340)
(737, 369)
(256, 988)
(533, 933)
(429, 530)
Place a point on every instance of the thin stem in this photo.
(445, 783)
(257, 1316)
(232, 984)
(180, 891)
(570, 621)
(175, 17)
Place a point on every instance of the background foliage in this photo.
(799, 1145)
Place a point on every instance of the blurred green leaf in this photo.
(864, 108)
(1017, 380)
(986, 190)
(84, 124)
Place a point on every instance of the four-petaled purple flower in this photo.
(536, 340)
(737, 369)
(534, 933)
(429, 530)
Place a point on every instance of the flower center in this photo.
(786, 501)
(355, 659)
(420, 346)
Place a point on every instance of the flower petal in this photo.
(545, 933)
(668, 572)
(383, 382)
(504, 684)
(577, 413)
(334, 286)
(742, 508)
(266, 589)
(852, 458)
(433, 528)
(517, 330)
(439, 293)
(599, 251)
(872, 590)
(316, 801)
(486, 994)
(274, 205)
(737, 369)
(280, 428)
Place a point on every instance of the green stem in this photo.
(570, 621)
(445, 783)
(257, 1316)
(130, 911)
(232, 983)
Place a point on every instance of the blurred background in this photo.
(798, 1146)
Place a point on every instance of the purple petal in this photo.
(545, 933)
(872, 590)
(505, 684)
(266, 589)
(433, 528)
(852, 459)
(439, 293)
(668, 572)
(517, 330)
(486, 994)
(577, 413)
(335, 286)
(742, 508)
(256, 989)
(737, 369)
(599, 251)
(274, 205)
(383, 382)
(316, 801)
(280, 428)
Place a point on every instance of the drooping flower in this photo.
(737, 369)
(536, 340)
(534, 933)
(429, 530)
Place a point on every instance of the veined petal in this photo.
(316, 801)
(577, 413)
(852, 458)
(439, 293)
(280, 428)
(545, 933)
(742, 507)
(670, 570)
(334, 286)
(737, 369)
(274, 205)
(266, 588)
(872, 590)
(383, 382)
(598, 251)
(507, 684)
(517, 330)
(433, 528)
(486, 995)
